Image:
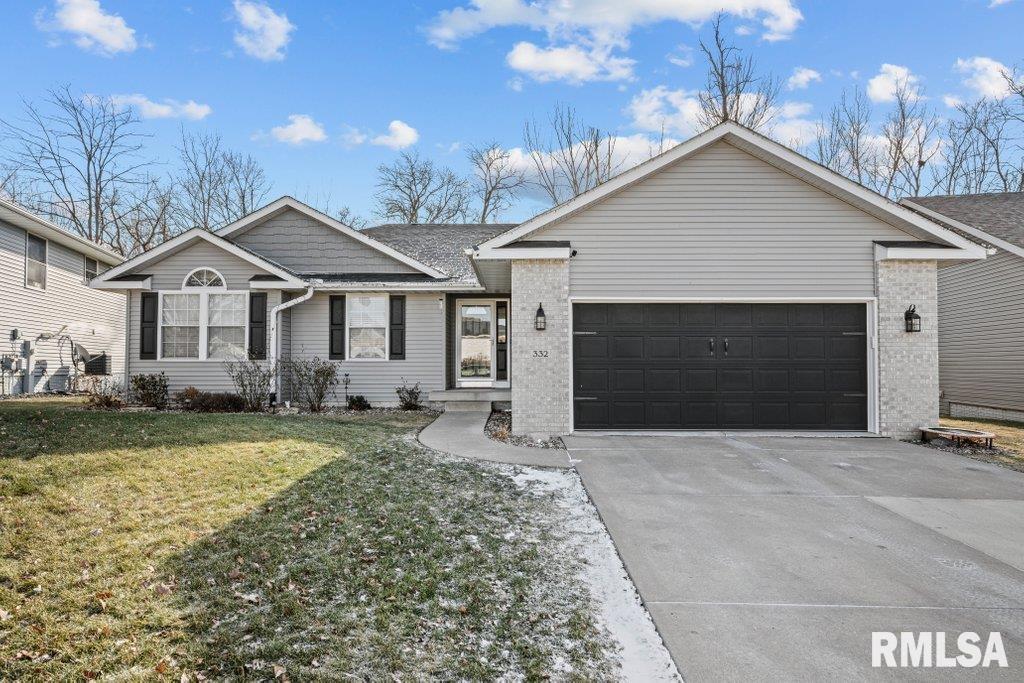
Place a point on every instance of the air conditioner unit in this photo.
(98, 364)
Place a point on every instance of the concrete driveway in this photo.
(777, 557)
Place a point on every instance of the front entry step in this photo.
(471, 399)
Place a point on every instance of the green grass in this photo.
(141, 545)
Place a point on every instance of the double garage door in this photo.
(720, 366)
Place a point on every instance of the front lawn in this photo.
(138, 545)
(1009, 441)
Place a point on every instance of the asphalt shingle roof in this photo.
(439, 245)
(999, 214)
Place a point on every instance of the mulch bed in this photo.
(499, 428)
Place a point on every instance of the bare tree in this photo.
(734, 91)
(79, 153)
(414, 190)
(217, 186)
(844, 142)
(497, 181)
(350, 218)
(143, 216)
(568, 157)
(909, 143)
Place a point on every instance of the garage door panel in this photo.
(627, 348)
(665, 366)
(664, 380)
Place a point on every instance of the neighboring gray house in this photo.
(729, 283)
(47, 307)
(981, 307)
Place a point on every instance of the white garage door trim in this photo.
(871, 310)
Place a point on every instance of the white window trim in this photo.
(45, 264)
(204, 315)
(85, 268)
(387, 327)
(221, 289)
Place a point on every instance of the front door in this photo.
(482, 342)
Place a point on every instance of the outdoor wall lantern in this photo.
(541, 321)
(912, 319)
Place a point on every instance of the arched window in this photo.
(203, 277)
(204, 321)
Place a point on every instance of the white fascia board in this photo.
(510, 253)
(144, 284)
(969, 229)
(396, 287)
(185, 237)
(286, 202)
(843, 188)
(26, 220)
(883, 253)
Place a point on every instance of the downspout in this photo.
(273, 333)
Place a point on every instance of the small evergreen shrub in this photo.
(358, 402)
(196, 401)
(409, 398)
(150, 390)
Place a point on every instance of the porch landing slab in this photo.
(461, 433)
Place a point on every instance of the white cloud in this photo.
(683, 56)
(952, 101)
(890, 78)
(678, 112)
(93, 28)
(997, 3)
(984, 76)
(515, 84)
(802, 77)
(572, 63)
(300, 129)
(744, 31)
(264, 33)
(399, 136)
(353, 137)
(778, 18)
(166, 109)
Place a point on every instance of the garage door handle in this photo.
(711, 346)
(584, 334)
(854, 395)
(585, 398)
(727, 346)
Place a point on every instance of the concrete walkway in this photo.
(462, 434)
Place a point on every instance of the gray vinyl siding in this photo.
(721, 223)
(94, 318)
(424, 350)
(981, 332)
(305, 245)
(168, 275)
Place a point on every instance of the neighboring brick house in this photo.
(981, 307)
(729, 283)
(47, 307)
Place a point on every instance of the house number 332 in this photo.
(540, 354)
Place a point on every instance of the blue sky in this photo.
(322, 91)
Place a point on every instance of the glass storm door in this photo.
(476, 343)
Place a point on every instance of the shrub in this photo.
(312, 379)
(150, 390)
(358, 402)
(254, 380)
(105, 394)
(196, 401)
(409, 398)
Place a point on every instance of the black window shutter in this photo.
(258, 325)
(147, 326)
(337, 328)
(397, 332)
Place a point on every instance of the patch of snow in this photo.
(642, 655)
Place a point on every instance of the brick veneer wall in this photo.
(540, 366)
(908, 362)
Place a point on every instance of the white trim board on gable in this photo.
(769, 151)
(286, 202)
(106, 280)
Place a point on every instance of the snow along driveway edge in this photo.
(642, 655)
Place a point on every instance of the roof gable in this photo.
(112, 278)
(996, 218)
(765, 149)
(276, 208)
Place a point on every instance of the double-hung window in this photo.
(367, 327)
(35, 261)
(203, 322)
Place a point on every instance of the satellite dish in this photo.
(82, 353)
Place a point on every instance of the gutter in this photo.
(273, 332)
